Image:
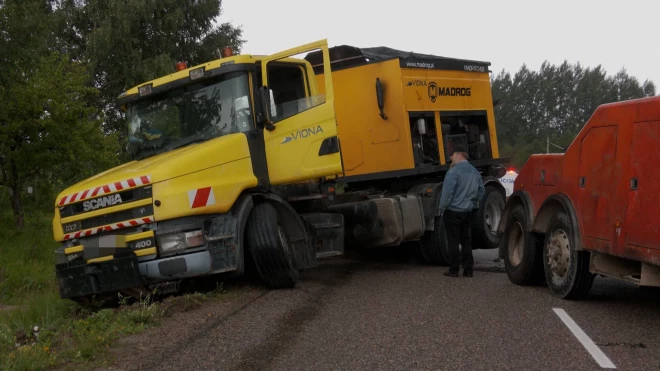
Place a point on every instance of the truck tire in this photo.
(434, 247)
(270, 248)
(522, 256)
(486, 219)
(566, 269)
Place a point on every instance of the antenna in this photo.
(548, 143)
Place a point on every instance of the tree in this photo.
(64, 64)
(128, 42)
(48, 130)
(554, 102)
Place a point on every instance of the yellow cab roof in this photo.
(183, 74)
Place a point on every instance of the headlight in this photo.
(180, 241)
(171, 242)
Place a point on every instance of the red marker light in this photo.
(227, 52)
(180, 66)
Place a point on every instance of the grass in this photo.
(66, 334)
(73, 339)
(27, 259)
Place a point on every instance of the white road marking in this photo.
(586, 341)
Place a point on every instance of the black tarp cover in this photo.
(345, 56)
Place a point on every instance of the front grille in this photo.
(131, 195)
(121, 216)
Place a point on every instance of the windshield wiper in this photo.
(201, 137)
(192, 141)
(146, 152)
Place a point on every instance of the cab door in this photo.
(300, 133)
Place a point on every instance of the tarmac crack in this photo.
(624, 345)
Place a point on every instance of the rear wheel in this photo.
(566, 269)
(434, 247)
(487, 218)
(269, 244)
(522, 257)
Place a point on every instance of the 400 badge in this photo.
(143, 243)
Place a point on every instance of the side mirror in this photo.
(381, 98)
(267, 108)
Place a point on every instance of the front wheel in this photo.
(566, 268)
(269, 244)
(487, 219)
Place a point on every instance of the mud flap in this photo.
(224, 243)
(327, 233)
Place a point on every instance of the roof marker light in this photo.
(197, 73)
(145, 90)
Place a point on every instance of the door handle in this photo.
(633, 184)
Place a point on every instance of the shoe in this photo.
(468, 274)
(450, 274)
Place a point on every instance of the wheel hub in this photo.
(492, 216)
(558, 253)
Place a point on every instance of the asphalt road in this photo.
(379, 315)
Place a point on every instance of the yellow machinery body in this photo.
(371, 144)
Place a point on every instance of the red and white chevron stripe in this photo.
(105, 189)
(111, 227)
(201, 197)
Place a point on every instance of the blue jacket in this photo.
(462, 188)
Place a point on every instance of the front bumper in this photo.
(120, 273)
(127, 268)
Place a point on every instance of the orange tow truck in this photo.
(592, 210)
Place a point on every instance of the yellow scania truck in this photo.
(280, 160)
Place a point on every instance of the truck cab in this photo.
(207, 144)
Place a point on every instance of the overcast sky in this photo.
(506, 33)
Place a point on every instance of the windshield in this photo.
(194, 113)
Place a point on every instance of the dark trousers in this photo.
(457, 225)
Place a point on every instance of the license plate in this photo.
(71, 227)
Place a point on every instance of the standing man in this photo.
(461, 192)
